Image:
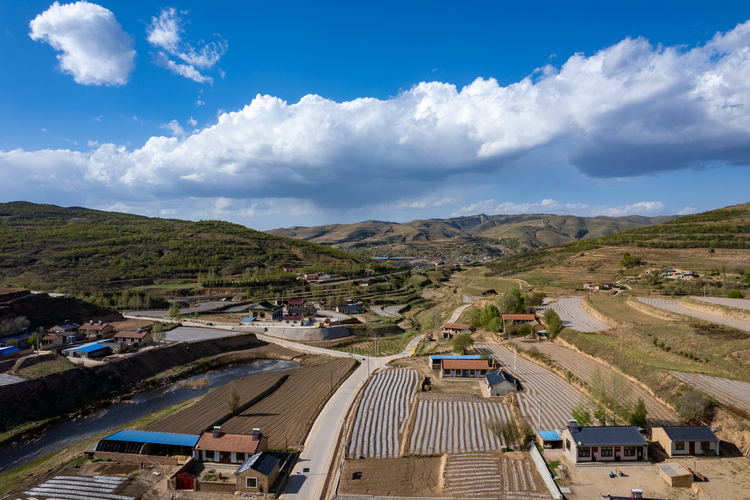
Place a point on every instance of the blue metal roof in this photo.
(8, 350)
(154, 438)
(550, 435)
(94, 346)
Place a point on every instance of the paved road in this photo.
(460, 309)
(320, 445)
(674, 306)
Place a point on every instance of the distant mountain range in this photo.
(501, 233)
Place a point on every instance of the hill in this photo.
(493, 234)
(704, 243)
(46, 246)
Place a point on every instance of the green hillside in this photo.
(495, 234)
(45, 246)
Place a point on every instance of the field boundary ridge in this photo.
(718, 309)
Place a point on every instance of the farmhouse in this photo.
(500, 383)
(217, 446)
(66, 327)
(435, 359)
(357, 308)
(266, 311)
(97, 330)
(293, 320)
(56, 340)
(90, 350)
(131, 446)
(450, 330)
(464, 368)
(519, 319)
(686, 440)
(257, 474)
(136, 338)
(603, 444)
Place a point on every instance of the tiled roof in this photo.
(455, 326)
(131, 335)
(466, 364)
(519, 317)
(245, 443)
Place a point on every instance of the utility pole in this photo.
(539, 420)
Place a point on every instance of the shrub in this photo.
(693, 407)
(553, 322)
(462, 342)
(735, 294)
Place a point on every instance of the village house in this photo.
(464, 368)
(434, 360)
(98, 330)
(257, 474)
(603, 444)
(357, 308)
(217, 446)
(265, 311)
(500, 383)
(519, 319)
(65, 328)
(450, 330)
(56, 339)
(293, 320)
(298, 307)
(686, 440)
(137, 338)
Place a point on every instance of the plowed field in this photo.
(557, 396)
(284, 415)
(583, 367)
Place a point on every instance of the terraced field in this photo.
(724, 301)
(675, 307)
(573, 315)
(728, 392)
(542, 386)
(455, 423)
(382, 414)
(583, 367)
(490, 476)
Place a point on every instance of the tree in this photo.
(506, 430)
(535, 300)
(638, 417)
(629, 261)
(472, 318)
(14, 325)
(234, 400)
(735, 294)
(174, 311)
(158, 333)
(553, 322)
(526, 329)
(495, 325)
(513, 302)
(462, 342)
(695, 408)
(33, 340)
(489, 312)
(581, 414)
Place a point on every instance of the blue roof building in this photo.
(90, 350)
(11, 349)
(148, 443)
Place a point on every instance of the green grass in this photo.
(47, 368)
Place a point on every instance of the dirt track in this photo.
(394, 477)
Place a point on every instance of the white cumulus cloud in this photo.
(549, 206)
(94, 48)
(174, 127)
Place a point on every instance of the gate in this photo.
(184, 481)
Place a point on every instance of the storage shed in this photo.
(687, 440)
(675, 474)
(91, 350)
(258, 473)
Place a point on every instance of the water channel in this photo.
(65, 433)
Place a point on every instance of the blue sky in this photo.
(273, 114)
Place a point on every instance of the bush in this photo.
(462, 342)
(693, 407)
(489, 312)
(735, 294)
(553, 322)
(526, 329)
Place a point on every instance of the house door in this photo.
(225, 457)
(465, 373)
(617, 453)
(453, 373)
(640, 453)
(692, 447)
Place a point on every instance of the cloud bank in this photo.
(492, 207)
(94, 48)
(628, 110)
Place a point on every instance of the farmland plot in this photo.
(583, 367)
(728, 392)
(573, 315)
(675, 307)
(489, 476)
(724, 301)
(455, 423)
(382, 414)
(542, 386)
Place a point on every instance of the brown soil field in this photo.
(394, 477)
(214, 406)
(285, 415)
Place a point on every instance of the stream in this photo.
(64, 433)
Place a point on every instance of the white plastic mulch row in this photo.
(574, 316)
(382, 414)
(726, 391)
(556, 395)
(675, 307)
(455, 426)
(79, 488)
(491, 476)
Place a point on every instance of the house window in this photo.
(482, 372)
(629, 451)
(567, 444)
(472, 373)
(209, 456)
(240, 457)
(706, 446)
(606, 451)
(251, 482)
(679, 445)
(584, 452)
(446, 372)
